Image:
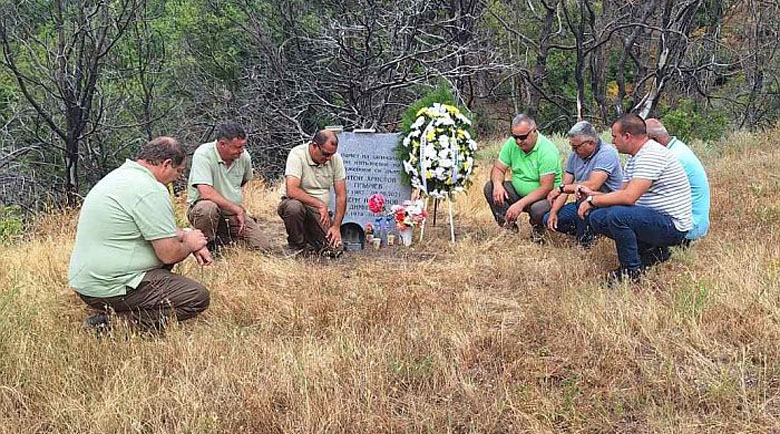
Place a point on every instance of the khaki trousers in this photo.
(160, 295)
(302, 224)
(218, 225)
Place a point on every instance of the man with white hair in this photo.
(592, 163)
(536, 170)
(697, 177)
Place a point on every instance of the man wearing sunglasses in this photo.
(312, 170)
(536, 169)
(592, 163)
(220, 169)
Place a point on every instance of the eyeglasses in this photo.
(521, 137)
(574, 148)
(325, 154)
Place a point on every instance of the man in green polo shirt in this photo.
(219, 171)
(312, 170)
(127, 241)
(536, 168)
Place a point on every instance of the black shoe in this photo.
(98, 323)
(537, 235)
(655, 256)
(587, 242)
(620, 274)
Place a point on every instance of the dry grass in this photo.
(492, 334)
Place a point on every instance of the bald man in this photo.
(697, 177)
(312, 169)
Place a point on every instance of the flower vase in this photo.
(406, 236)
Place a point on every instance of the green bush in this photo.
(690, 121)
(11, 223)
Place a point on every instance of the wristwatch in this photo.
(590, 200)
(560, 188)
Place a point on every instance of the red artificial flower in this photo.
(376, 203)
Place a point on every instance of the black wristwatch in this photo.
(560, 188)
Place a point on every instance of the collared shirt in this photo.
(527, 169)
(208, 168)
(700, 187)
(121, 215)
(605, 159)
(669, 192)
(316, 179)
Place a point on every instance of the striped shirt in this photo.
(670, 192)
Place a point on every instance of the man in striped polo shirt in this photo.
(651, 212)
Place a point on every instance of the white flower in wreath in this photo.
(408, 168)
(472, 145)
(407, 141)
(444, 153)
(430, 151)
(414, 133)
(463, 119)
(418, 123)
(444, 140)
(440, 173)
(446, 163)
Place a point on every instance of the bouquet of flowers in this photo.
(439, 151)
(409, 214)
(376, 203)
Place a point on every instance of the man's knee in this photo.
(537, 210)
(204, 209)
(488, 191)
(196, 300)
(292, 208)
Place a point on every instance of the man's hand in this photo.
(203, 256)
(514, 211)
(584, 209)
(581, 192)
(552, 195)
(194, 240)
(334, 236)
(241, 219)
(324, 217)
(499, 194)
(552, 221)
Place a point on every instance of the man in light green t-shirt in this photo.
(127, 240)
(536, 169)
(219, 171)
(312, 170)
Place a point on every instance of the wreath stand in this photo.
(435, 211)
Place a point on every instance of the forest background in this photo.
(84, 83)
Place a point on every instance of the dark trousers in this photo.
(639, 233)
(159, 295)
(535, 211)
(570, 223)
(302, 224)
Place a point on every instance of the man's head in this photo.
(231, 139)
(628, 132)
(583, 139)
(323, 146)
(657, 131)
(524, 132)
(164, 157)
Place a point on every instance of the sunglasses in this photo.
(325, 154)
(574, 148)
(521, 137)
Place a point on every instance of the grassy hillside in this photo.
(493, 334)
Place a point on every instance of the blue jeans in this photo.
(570, 223)
(638, 232)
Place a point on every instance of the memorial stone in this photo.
(372, 167)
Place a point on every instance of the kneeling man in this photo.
(653, 209)
(593, 164)
(312, 169)
(219, 171)
(536, 170)
(127, 242)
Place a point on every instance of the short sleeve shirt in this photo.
(527, 169)
(700, 187)
(670, 192)
(121, 215)
(605, 159)
(316, 179)
(208, 168)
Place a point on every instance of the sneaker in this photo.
(98, 323)
(537, 235)
(620, 274)
(655, 256)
